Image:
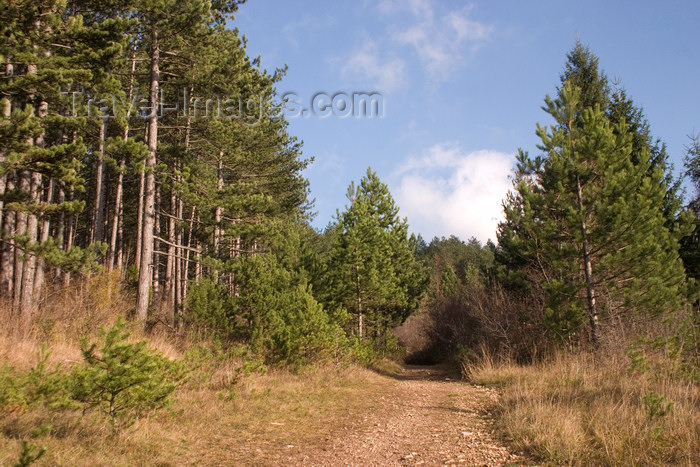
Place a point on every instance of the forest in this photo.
(149, 187)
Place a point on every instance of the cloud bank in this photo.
(449, 191)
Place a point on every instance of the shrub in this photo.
(29, 453)
(287, 324)
(297, 329)
(209, 308)
(38, 387)
(494, 320)
(124, 379)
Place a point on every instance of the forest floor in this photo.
(328, 416)
(425, 416)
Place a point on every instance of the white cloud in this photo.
(448, 191)
(366, 63)
(441, 40)
(419, 33)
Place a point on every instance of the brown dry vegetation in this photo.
(232, 409)
(216, 420)
(578, 409)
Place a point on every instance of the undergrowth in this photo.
(614, 408)
(72, 394)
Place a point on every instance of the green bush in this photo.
(300, 330)
(209, 308)
(29, 454)
(124, 379)
(288, 325)
(39, 387)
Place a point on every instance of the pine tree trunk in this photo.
(186, 265)
(23, 222)
(120, 249)
(98, 218)
(145, 272)
(179, 267)
(6, 112)
(24, 185)
(116, 219)
(44, 236)
(171, 260)
(60, 232)
(588, 270)
(27, 306)
(139, 215)
(360, 324)
(156, 246)
(70, 234)
(7, 218)
(7, 270)
(218, 231)
(181, 264)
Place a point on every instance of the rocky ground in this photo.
(428, 417)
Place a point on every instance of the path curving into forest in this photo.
(425, 417)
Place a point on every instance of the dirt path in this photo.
(428, 417)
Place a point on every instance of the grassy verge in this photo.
(230, 412)
(577, 410)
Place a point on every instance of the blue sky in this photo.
(462, 85)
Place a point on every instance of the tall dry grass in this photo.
(232, 410)
(582, 409)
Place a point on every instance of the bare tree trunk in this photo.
(98, 217)
(44, 236)
(24, 185)
(588, 271)
(120, 249)
(7, 218)
(169, 287)
(116, 218)
(7, 270)
(156, 245)
(60, 232)
(186, 266)
(27, 305)
(70, 234)
(145, 272)
(139, 215)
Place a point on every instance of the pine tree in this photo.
(44, 50)
(591, 220)
(690, 244)
(373, 270)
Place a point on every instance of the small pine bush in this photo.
(124, 379)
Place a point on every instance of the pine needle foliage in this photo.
(124, 379)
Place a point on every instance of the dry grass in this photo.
(257, 420)
(579, 410)
(231, 411)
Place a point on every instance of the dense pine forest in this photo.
(149, 185)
